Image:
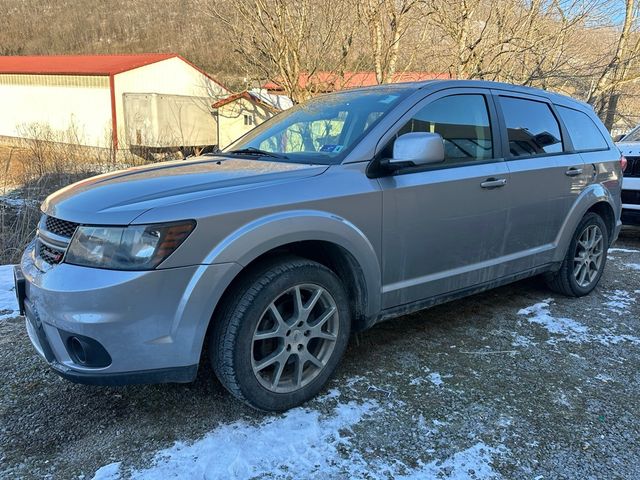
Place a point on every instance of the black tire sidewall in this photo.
(588, 220)
(257, 395)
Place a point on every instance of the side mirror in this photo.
(418, 148)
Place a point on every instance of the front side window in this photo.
(463, 123)
(584, 134)
(531, 127)
(325, 128)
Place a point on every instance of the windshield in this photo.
(324, 129)
(633, 136)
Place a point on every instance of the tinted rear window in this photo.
(584, 133)
(531, 126)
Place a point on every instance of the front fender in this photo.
(593, 194)
(271, 231)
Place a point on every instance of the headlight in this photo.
(138, 247)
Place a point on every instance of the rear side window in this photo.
(584, 133)
(463, 123)
(531, 127)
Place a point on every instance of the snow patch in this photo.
(521, 341)
(604, 378)
(619, 301)
(435, 378)
(633, 266)
(623, 250)
(472, 463)
(108, 471)
(16, 202)
(301, 443)
(8, 302)
(572, 331)
(609, 338)
(540, 314)
(563, 400)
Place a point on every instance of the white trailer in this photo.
(162, 121)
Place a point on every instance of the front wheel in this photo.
(282, 335)
(585, 260)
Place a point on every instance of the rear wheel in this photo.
(282, 334)
(585, 260)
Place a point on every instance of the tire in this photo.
(566, 281)
(279, 315)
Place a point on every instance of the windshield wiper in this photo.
(257, 151)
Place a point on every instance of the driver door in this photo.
(444, 224)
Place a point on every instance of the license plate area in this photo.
(20, 287)
(38, 329)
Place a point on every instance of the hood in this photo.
(631, 149)
(117, 198)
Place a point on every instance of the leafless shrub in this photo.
(49, 160)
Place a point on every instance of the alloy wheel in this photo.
(294, 338)
(588, 256)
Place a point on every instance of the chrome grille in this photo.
(63, 228)
(53, 238)
(633, 167)
(631, 197)
(50, 255)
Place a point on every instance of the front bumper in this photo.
(152, 324)
(630, 216)
(631, 201)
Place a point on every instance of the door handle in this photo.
(573, 172)
(494, 182)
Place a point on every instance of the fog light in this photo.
(85, 351)
(76, 348)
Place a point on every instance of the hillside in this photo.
(116, 26)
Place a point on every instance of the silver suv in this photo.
(337, 214)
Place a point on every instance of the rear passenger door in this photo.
(545, 178)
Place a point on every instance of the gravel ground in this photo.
(515, 383)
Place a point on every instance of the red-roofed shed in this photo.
(105, 100)
(79, 64)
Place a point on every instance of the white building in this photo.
(237, 114)
(153, 100)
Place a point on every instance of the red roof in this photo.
(246, 95)
(79, 64)
(329, 81)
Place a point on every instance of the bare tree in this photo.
(387, 22)
(526, 42)
(286, 40)
(605, 94)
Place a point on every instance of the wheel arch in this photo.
(595, 198)
(605, 210)
(319, 236)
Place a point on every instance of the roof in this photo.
(247, 96)
(280, 102)
(330, 81)
(78, 64)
